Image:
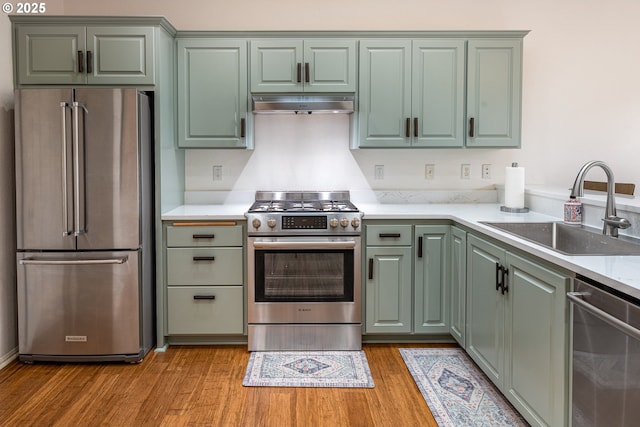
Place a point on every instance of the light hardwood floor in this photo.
(202, 386)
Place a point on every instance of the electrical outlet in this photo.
(465, 171)
(486, 171)
(378, 172)
(217, 172)
(429, 171)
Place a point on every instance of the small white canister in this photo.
(573, 211)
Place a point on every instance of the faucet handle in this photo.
(617, 222)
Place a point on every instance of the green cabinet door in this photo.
(494, 86)
(385, 93)
(276, 66)
(431, 281)
(536, 342)
(212, 93)
(61, 54)
(411, 93)
(120, 55)
(290, 65)
(485, 308)
(437, 111)
(388, 289)
(458, 285)
(50, 54)
(329, 65)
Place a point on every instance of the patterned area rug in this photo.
(308, 369)
(456, 391)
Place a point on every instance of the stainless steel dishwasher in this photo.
(606, 356)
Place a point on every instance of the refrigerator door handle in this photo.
(34, 261)
(78, 202)
(65, 172)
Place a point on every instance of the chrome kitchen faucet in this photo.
(612, 222)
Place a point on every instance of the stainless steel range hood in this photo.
(303, 104)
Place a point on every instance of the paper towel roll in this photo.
(514, 187)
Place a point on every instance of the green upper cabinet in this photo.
(494, 86)
(99, 55)
(316, 65)
(212, 93)
(411, 93)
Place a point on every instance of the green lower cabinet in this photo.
(388, 289)
(431, 279)
(536, 341)
(517, 329)
(458, 287)
(406, 284)
(485, 308)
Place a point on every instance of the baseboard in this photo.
(7, 358)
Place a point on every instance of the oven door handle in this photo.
(577, 298)
(304, 245)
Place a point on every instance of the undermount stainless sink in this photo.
(570, 239)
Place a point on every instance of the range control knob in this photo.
(355, 222)
(344, 222)
(256, 223)
(333, 222)
(271, 222)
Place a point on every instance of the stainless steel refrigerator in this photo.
(84, 206)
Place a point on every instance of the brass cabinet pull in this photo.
(370, 268)
(415, 127)
(306, 72)
(89, 62)
(407, 127)
(472, 125)
(80, 61)
(299, 76)
(242, 127)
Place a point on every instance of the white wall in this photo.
(581, 95)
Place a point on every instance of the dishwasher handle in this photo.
(576, 298)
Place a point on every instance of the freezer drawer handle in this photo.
(31, 261)
(577, 299)
(199, 297)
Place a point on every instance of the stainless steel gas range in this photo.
(304, 272)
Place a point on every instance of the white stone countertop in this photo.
(618, 272)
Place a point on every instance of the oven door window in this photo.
(304, 275)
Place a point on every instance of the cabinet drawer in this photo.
(204, 266)
(204, 235)
(389, 235)
(205, 310)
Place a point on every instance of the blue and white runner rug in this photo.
(308, 369)
(456, 391)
